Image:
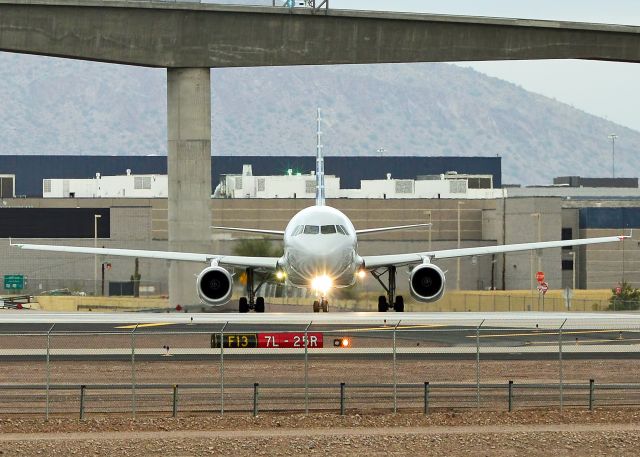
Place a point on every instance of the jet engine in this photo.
(214, 285)
(427, 283)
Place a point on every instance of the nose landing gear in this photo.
(257, 304)
(322, 304)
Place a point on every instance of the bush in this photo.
(257, 247)
(628, 299)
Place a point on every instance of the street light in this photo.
(95, 256)
(573, 269)
(460, 203)
(612, 137)
(428, 213)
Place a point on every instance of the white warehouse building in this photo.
(290, 185)
(449, 185)
(127, 186)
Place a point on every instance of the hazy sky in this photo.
(607, 89)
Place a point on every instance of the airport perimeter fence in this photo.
(218, 369)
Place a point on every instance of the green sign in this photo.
(14, 282)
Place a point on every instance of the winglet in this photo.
(623, 237)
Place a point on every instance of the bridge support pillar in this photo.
(189, 169)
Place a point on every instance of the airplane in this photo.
(320, 253)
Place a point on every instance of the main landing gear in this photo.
(251, 302)
(390, 288)
(322, 304)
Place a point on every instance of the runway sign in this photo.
(289, 340)
(235, 340)
(267, 340)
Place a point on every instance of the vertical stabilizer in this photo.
(319, 165)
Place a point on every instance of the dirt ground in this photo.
(523, 433)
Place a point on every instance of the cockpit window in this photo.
(341, 229)
(328, 229)
(298, 230)
(311, 229)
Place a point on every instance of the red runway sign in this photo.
(289, 340)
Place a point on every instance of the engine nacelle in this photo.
(214, 285)
(427, 283)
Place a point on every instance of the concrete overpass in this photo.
(189, 39)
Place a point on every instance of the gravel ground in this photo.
(528, 433)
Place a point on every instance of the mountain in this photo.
(57, 106)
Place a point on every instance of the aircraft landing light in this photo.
(155, 324)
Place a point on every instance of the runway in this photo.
(502, 319)
(98, 340)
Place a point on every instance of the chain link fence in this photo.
(220, 368)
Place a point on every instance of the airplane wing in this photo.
(388, 229)
(377, 261)
(250, 230)
(269, 263)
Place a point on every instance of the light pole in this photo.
(428, 213)
(573, 269)
(539, 216)
(95, 256)
(612, 137)
(460, 203)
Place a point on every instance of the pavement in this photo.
(417, 341)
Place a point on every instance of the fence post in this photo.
(426, 397)
(82, 390)
(222, 367)
(560, 368)
(48, 371)
(255, 399)
(591, 393)
(510, 396)
(395, 374)
(342, 398)
(478, 364)
(306, 369)
(175, 400)
(133, 371)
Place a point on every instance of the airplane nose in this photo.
(328, 255)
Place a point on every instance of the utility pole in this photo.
(95, 256)
(613, 137)
(429, 214)
(460, 203)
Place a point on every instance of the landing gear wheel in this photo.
(243, 305)
(316, 306)
(399, 306)
(260, 305)
(383, 306)
(324, 304)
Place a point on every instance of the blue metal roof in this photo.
(30, 170)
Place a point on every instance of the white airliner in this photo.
(320, 253)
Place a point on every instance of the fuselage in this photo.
(320, 242)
